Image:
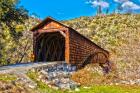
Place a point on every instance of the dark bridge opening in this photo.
(51, 47)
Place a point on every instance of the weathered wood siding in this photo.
(81, 48)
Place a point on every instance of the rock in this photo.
(32, 86)
(124, 82)
(65, 80)
(132, 82)
(26, 81)
(58, 76)
(44, 72)
(138, 81)
(86, 87)
(77, 89)
(40, 76)
(33, 70)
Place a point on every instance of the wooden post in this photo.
(67, 51)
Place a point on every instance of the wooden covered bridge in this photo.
(53, 41)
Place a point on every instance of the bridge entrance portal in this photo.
(50, 47)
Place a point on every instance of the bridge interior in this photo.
(50, 47)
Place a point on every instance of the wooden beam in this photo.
(62, 33)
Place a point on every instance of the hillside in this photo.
(117, 33)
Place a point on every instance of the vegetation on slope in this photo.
(117, 33)
(43, 88)
(9, 84)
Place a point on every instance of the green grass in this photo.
(110, 89)
(43, 88)
(7, 77)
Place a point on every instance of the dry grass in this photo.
(92, 74)
(8, 84)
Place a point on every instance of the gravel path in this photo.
(22, 68)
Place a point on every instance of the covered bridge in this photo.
(53, 41)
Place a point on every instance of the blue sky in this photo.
(65, 9)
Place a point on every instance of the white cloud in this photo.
(120, 1)
(100, 3)
(130, 5)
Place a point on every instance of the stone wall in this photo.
(57, 76)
